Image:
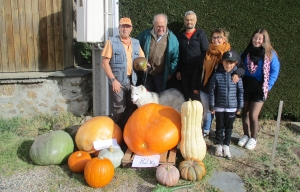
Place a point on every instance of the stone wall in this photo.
(52, 93)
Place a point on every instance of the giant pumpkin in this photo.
(97, 128)
(152, 129)
(192, 144)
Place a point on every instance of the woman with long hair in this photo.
(213, 59)
(262, 69)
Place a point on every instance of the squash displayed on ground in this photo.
(152, 129)
(115, 155)
(167, 175)
(98, 172)
(192, 144)
(78, 160)
(97, 128)
(51, 148)
(192, 169)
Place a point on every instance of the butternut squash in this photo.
(192, 144)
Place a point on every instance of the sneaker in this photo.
(242, 141)
(227, 153)
(206, 135)
(219, 151)
(251, 144)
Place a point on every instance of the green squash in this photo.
(51, 148)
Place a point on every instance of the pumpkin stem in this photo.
(144, 145)
(111, 149)
(79, 155)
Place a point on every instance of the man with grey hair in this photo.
(160, 46)
(193, 44)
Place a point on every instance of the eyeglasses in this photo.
(216, 37)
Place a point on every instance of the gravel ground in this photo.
(58, 179)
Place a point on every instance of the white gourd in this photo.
(115, 155)
(192, 144)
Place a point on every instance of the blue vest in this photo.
(118, 62)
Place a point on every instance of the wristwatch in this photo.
(112, 80)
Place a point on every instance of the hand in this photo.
(238, 112)
(116, 86)
(196, 91)
(148, 67)
(235, 78)
(178, 75)
(213, 112)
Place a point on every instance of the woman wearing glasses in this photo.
(218, 45)
(262, 69)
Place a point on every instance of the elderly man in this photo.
(193, 44)
(117, 60)
(161, 50)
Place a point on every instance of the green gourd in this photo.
(51, 148)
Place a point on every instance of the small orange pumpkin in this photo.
(152, 129)
(78, 160)
(192, 169)
(97, 128)
(98, 172)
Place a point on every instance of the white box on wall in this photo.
(90, 20)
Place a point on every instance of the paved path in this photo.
(227, 181)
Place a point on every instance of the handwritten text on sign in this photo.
(145, 161)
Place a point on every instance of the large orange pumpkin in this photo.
(98, 172)
(78, 160)
(97, 128)
(152, 129)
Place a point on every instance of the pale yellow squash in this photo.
(192, 144)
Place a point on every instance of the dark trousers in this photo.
(123, 107)
(155, 83)
(187, 82)
(224, 126)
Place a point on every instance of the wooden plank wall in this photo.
(34, 36)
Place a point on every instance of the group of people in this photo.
(212, 72)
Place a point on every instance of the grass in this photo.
(18, 134)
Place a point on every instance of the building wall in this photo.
(52, 94)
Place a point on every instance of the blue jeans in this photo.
(207, 116)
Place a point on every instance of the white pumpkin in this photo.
(192, 144)
(115, 155)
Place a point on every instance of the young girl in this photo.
(262, 69)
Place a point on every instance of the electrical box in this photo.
(90, 20)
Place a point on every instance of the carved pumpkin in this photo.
(167, 175)
(192, 144)
(78, 160)
(115, 155)
(51, 148)
(98, 172)
(97, 128)
(152, 129)
(192, 169)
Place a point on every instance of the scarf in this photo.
(212, 58)
(266, 72)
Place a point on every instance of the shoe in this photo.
(242, 141)
(227, 153)
(251, 144)
(206, 135)
(219, 151)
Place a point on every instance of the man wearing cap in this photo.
(117, 60)
(161, 49)
(226, 99)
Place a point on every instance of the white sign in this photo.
(145, 161)
(104, 144)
